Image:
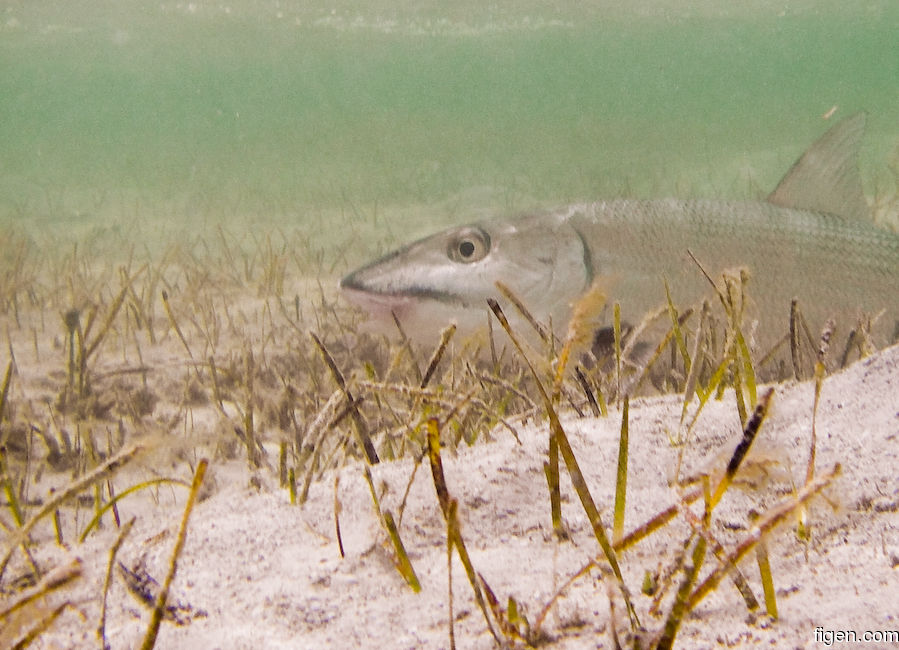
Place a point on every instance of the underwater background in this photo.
(360, 126)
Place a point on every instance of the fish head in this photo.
(447, 277)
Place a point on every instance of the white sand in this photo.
(268, 574)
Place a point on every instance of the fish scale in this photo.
(835, 266)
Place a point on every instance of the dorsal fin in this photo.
(825, 178)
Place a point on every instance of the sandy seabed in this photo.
(258, 572)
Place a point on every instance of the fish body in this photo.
(811, 239)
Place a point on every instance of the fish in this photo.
(812, 238)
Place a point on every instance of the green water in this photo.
(398, 117)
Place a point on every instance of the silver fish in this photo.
(812, 238)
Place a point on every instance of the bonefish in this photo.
(812, 238)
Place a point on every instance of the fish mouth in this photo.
(380, 305)
(362, 294)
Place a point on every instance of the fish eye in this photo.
(469, 245)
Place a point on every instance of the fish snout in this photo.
(351, 282)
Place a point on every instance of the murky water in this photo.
(370, 125)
